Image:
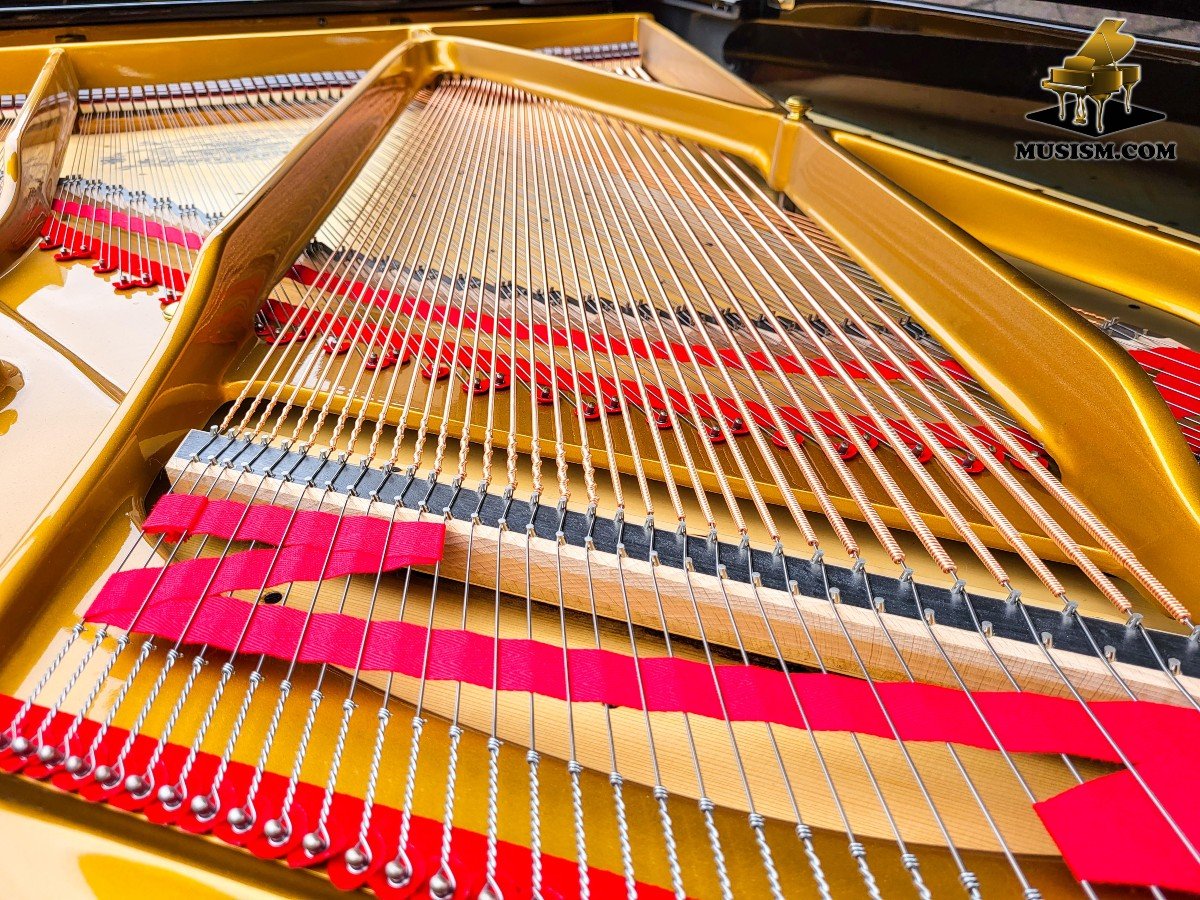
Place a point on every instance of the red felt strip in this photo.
(468, 848)
(344, 332)
(1022, 722)
(576, 338)
(114, 257)
(281, 526)
(412, 543)
(1159, 740)
(1176, 373)
(1173, 369)
(127, 222)
(1129, 841)
(313, 545)
(750, 693)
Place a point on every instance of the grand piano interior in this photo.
(570, 449)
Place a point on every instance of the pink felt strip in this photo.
(281, 526)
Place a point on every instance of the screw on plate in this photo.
(797, 107)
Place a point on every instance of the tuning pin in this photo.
(314, 842)
(77, 766)
(49, 755)
(107, 776)
(239, 819)
(21, 746)
(169, 796)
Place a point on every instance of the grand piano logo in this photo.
(1088, 80)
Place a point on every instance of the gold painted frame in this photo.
(1095, 410)
(33, 153)
(1139, 261)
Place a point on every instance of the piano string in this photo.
(487, 203)
(153, 168)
